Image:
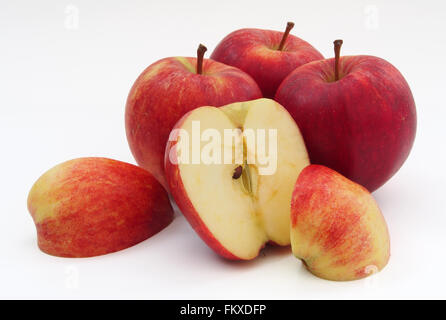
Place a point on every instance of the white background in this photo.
(63, 88)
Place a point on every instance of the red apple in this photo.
(361, 123)
(337, 228)
(268, 56)
(92, 206)
(237, 207)
(168, 89)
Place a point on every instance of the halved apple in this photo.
(236, 192)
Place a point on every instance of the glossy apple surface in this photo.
(337, 228)
(92, 206)
(362, 125)
(256, 52)
(168, 89)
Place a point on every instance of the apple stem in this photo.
(337, 50)
(289, 26)
(200, 54)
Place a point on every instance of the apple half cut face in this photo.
(231, 171)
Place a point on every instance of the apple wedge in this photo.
(92, 206)
(241, 202)
(337, 228)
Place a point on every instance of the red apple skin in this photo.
(92, 206)
(337, 228)
(168, 89)
(255, 51)
(185, 205)
(362, 126)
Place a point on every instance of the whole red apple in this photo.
(268, 56)
(168, 89)
(356, 113)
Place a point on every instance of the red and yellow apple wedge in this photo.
(92, 206)
(337, 229)
(235, 206)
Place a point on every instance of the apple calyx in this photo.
(289, 26)
(337, 49)
(200, 54)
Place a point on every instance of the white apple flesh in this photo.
(237, 216)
